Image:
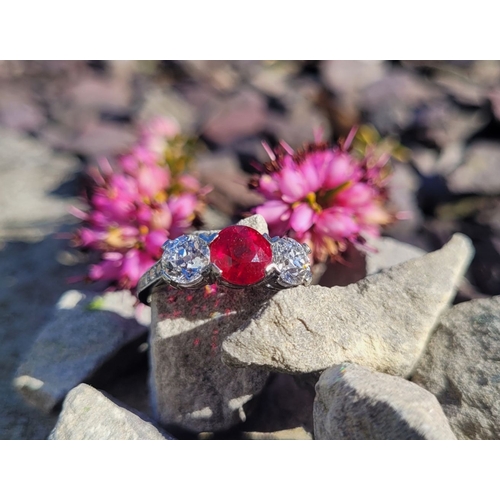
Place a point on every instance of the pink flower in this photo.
(135, 207)
(154, 136)
(324, 196)
(156, 132)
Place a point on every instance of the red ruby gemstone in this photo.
(242, 254)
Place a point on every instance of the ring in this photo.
(236, 257)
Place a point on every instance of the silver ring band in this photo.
(188, 262)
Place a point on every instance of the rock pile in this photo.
(214, 355)
(57, 116)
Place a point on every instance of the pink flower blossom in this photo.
(156, 132)
(136, 206)
(324, 196)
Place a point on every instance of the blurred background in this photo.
(59, 117)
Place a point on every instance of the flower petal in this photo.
(268, 186)
(152, 179)
(135, 264)
(302, 218)
(312, 175)
(292, 185)
(336, 224)
(274, 211)
(339, 168)
(108, 269)
(356, 195)
(153, 242)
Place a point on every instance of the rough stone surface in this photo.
(158, 102)
(230, 193)
(236, 117)
(479, 172)
(34, 273)
(36, 188)
(382, 322)
(101, 94)
(85, 331)
(100, 139)
(461, 366)
(286, 403)
(19, 110)
(353, 402)
(30, 175)
(345, 77)
(299, 433)
(89, 414)
(394, 101)
(297, 126)
(402, 188)
(446, 123)
(389, 252)
(191, 388)
(256, 222)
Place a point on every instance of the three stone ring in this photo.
(236, 257)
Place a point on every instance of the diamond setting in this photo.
(292, 262)
(185, 259)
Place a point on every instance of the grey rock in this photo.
(30, 172)
(295, 434)
(27, 299)
(402, 189)
(389, 252)
(230, 191)
(19, 110)
(463, 90)
(86, 330)
(256, 222)
(429, 163)
(485, 73)
(424, 159)
(479, 172)
(219, 74)
(125, 377)
(190, 386)
(461, 366)
(391, 102)
(346, 77)
(384, 252)
(347, 80)
(88, 414)
(445, 123)
(236, 117)
(450, 158)
(351, 270)
(273, 80)
(485, 270)
(101, 94)
(353, 402)
(35, 192)
(158, 102)
(297, 125)
(494, 97)
(98, 139)
(382, 322)
(489, 215)
(285, 403)
(213, 219)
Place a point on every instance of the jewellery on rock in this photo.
(236, 257)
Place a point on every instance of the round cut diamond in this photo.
(292, 262)
(184, 259)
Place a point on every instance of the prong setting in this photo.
(187, 262)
